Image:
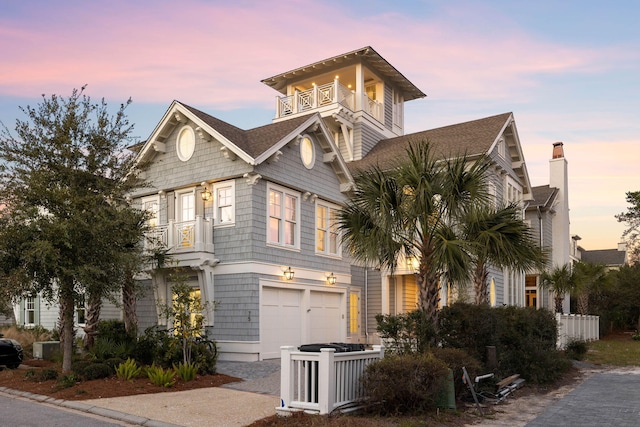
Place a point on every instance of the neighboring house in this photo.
(547, 213)
(251, 213)
(613, 259)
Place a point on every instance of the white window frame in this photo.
(280, 216)
(217, 220)
(326, 229)
(154, 220)
(179, 208)
(29, 307)
(190, 149)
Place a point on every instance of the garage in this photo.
(295, 316)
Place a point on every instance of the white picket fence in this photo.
(324, 381)
(577, 326)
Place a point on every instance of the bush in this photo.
(113, 363)
(405, 333)
(161, 377)
(128, 370)
(157, 347)
(525, 338)
(27, 336)
(39, 375)
(404, 384)
(66, 381)
(113, 330)
(94, 371)
(204, 354)
(576, 349)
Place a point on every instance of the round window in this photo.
(307, 152)
(186, 143)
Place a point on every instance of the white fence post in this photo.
(286, 376)
(326, 380)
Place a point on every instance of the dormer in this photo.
(355, 88)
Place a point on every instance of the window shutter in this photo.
(22, 319)
(36, 310)
(171, 206)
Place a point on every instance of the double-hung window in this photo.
(327, 242)
(224, 201)
(29, 311)
(284, 217)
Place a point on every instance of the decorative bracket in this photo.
(202, 134)
(228, 154)
(252, 178)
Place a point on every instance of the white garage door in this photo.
(280, 320)
(326, 317)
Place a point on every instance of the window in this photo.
(327, 229)
(224, 202)
(30, 311)
(354, 312)
(186, 206)
(152, 206)
(283, 225)
(185, 143)
(307, 152)
(81, 311)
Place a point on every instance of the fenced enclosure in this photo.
(577, 327)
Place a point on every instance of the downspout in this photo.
(366, 304)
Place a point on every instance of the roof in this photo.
(254, 141)
(472, 138)
(607, 257)
(366, 54)
(543, 197)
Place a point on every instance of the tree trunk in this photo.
(67, 308)
(429, 286)
(92, 317)
(129, 302)
(480, 284)
(559, 300)
(583, 303)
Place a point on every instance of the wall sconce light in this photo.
(288, 273)
(331, 279)
(206, 194)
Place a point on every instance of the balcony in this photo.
(182, 237)
(322, 98)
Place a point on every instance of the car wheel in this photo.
(13, 366)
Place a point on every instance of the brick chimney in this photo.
(558, 152)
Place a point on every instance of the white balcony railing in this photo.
(577, 327)
(322, 382)
(316, 97)
(184, 236)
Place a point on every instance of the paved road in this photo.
(606, 399)
(18, 412)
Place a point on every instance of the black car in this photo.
(10, 353)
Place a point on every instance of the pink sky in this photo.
(472, 58)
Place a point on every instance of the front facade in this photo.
(251, 213)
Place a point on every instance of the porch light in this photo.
(288, 273)
(206, 195)
(331, 279)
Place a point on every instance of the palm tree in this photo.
(560, 280)
(589, 277)
(414, 210)
(498, 237)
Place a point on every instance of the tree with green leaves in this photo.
(498, 237)
(589, 278)
(632, 218)
(66, 228)
(414, 210)
(561, 280)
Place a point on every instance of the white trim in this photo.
(186, 152)
(178, 205)
(327, 229)
(307, 162)
(285, 192)
(216, 202)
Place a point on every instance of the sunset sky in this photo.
(569, 70)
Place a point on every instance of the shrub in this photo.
(26, 337)
(404, 384)
(204, 354)
(113, 330)
(577, 349)
(405, 333)
(186, 371)
(113, 363)
(67, 381)
(94, 371)
(128, 370)
(157, 347)
(161, 377)
(40, 375)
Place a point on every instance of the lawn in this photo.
(615, 350)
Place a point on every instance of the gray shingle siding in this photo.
(388, 107)
(237, 315)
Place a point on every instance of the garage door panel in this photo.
(325, 317)
(280, 320)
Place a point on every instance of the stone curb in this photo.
(83, 407)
